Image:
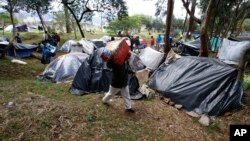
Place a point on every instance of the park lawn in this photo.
(47, 111)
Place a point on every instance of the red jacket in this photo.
(152, 41)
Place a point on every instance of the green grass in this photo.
(46, 111)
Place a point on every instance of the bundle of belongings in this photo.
(119, 49)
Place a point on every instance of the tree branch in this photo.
(185, 4)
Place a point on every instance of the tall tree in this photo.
(191, 20)
(11, 6)
(186, 6)
(84, 9)
(203, 32)
(40, 7)
(170, 8)
(5, 19)
(67, 19)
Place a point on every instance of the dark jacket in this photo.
(119, 74)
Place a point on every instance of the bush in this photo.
(246, 83)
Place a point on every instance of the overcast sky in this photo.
(147, 7)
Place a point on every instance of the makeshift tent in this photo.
(95, 76)
(105, 39)
(231, 51)
(78, 46)
(64, 67)
(204, 85)
(98, 43)
(22, 50)
(19, 28)
(151, 58)
(191, 48)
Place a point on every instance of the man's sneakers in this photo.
(130, 110)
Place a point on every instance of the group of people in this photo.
(158, 41)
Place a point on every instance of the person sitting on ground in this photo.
(18, 39)
(119, 81)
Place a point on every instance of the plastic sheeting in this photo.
(204, 85)
(105, 39)
(64, 68)
(98, 43)
(151, 58)
(96, 77)
(135, 63)
(88, 46)
(191, 48)
(22, 50)
(231, 51)
(78, 46)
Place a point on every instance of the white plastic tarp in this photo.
(230, 51)
(78, 46)
(105, 39)
(71, 45)
(151, 58)
(88, 46)
(135, 63)
(64, 68)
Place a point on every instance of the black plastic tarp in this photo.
(95, 76)
(204, 85)
(191, 48)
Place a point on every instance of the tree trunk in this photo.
(67, 18)
(77, 21)
(3, 28)
(74, 28)
(242, 63)
(203, 33)
(13, 31)
(41, 19)
(184, 24)
(191, 20)
(170, 8)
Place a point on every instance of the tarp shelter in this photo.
(231, 51)
(95, 76)
(151, 58)
(19, 28)
(98, 43)
(78, 46)
(64, 67)
(204, 85)
(105, 39)
(191, 48)
(22, 50)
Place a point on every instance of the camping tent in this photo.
(204, 85)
